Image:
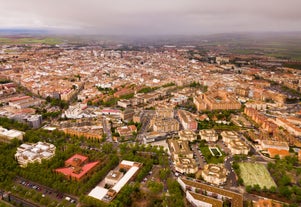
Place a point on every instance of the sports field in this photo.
(253, 174)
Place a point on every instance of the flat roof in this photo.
(213, 201)
(237, 198)
(128, 175)
(98, 192)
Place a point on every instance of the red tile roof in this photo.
(69, 171)
(76, 156)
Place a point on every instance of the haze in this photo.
(152, 17)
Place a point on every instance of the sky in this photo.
(152, 17)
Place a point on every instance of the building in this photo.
(238, 147)
(179, 148)
(113, 177)
(228, 136)
(153, 137)
(186, 165)
(165, 112)
(267, 203)
(182, 156)
(126, 131)
(209, 135)
(118, 180)
(281, 153)
(187, 135)
(8, 135)
(124, 103)
(77, 167)
(200, 194)
(291, 124)
(216, 100)
(35, 121)
(201, 200)
(127, 114)
(266, 144)
(91, 132)
(24, 102)
(165, 125)
(187, 120)
(34, 152)
(79, 111)
(215, 174)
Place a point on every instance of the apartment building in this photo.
(7, 135)
(187, 120)
(200, 194)
(187, 135)
(165, 125)
(182, 156)
(34, 152)
(215, 173)
(216, 100)
(209, 135)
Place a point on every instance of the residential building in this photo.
(187, 135)
(8, 135)
(238, 147)
(215, 173)
(186, 165)
(34, 152)
(165, 125)
(182, 156)
(179, 148)
(266, 144)
(165, 112)
(209, 135)
(228, 136)
(215, 196)
(126, 131)
(187, 120)
(216, 100)
(291, 124)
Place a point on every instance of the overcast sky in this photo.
(142, 17)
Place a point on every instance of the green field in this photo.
(210, 158)
(47, 41)
(253, 174)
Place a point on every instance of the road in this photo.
(9, 197)
(146, 116)
(199, 158)
(107, 128)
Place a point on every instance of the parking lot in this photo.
(46, 191)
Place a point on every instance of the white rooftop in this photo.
(98, 192)
(125, 178)
(126, 162)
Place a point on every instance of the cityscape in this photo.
(148, 109)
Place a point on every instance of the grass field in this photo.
(211, 158)
(253, 174)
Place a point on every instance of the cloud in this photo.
(153, 16)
